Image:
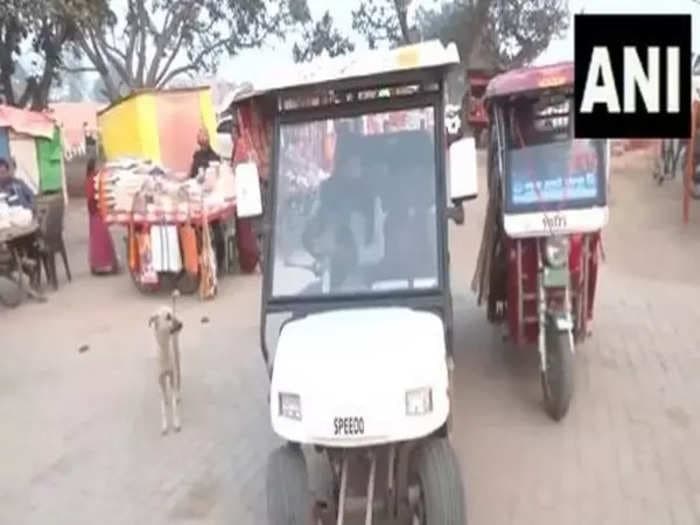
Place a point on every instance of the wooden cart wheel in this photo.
(144, 288)
(187, 283)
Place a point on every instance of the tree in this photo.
(509, 33)
(160, 40)
(383, 21)
(518, 31)
(320, 37)
(46, 27)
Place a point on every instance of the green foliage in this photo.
(518, 31)
(319, 37)
(46, 27)
(382, 21)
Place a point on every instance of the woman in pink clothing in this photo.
(102, 257)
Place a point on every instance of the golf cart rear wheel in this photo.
(288, 496)
(558, 378)
(435, 473)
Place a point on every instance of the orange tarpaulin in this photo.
(26, 122)
(179, 118)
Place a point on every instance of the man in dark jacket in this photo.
(201, 159)
(204, 155)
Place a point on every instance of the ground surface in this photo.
(80, 438)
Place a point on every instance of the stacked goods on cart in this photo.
(168, 216)
(12, 215)
(168, 196)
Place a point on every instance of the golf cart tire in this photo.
(288, 495)
(437, 469)
(558, 378)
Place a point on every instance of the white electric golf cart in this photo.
(357, 309)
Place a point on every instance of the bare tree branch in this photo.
(401, 7)
(158, 82)
(193, 65)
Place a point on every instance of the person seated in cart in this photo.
(332, 232)
(201, 159)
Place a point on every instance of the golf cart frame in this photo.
(369, 92)
(438, 299)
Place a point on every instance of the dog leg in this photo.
(175, 406)
(162, 381)
(177, 372)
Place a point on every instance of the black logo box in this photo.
(641, 31)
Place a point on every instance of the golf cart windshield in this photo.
(356, 205)
(546, 167)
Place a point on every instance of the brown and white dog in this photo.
(166, 328)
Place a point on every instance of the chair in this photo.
(50, 213)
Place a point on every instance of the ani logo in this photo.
(632, 76)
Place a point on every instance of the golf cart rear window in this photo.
(546, 167)
(356, 205)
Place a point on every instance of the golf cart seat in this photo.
(409, 202)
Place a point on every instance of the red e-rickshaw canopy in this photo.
(527, 79)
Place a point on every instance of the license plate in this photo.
(556, 277)
(348, 426)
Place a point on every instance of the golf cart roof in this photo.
(365, 69)
(529, 79)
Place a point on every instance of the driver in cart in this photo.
(333, 231)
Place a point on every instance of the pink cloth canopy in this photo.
(32, 123)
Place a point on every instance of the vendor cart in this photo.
(168, 241)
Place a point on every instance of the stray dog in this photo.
(167, 327)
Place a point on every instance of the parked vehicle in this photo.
(357, 309)
(538, 264)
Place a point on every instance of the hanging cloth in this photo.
(188, 244)
(165, 248)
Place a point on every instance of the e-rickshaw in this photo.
(538, 262)
(356, 325)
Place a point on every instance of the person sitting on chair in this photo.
(18, 192)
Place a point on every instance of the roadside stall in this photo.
(31, 143)
(168, 221)
(252, 127)
(148, 141)
(33, 140)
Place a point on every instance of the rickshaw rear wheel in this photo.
(558, 377)
(287, 485)
(435, 476)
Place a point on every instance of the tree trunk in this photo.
(402, 14)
